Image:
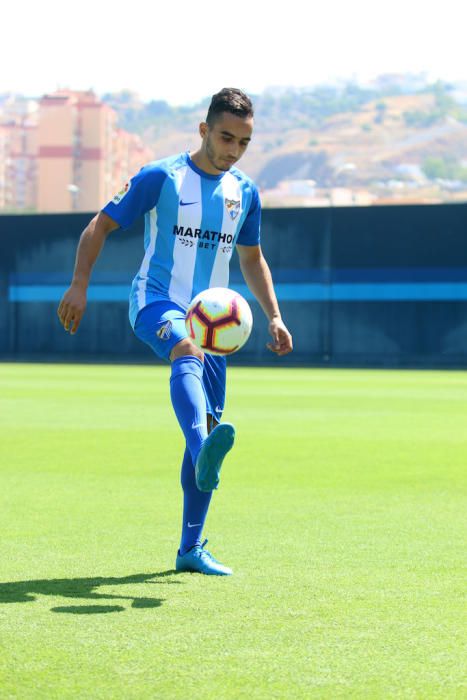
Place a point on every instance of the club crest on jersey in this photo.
(233, 207)
(165, 331)
(119, 196)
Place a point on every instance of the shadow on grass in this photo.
(27, 591)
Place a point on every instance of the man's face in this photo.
(226, 140)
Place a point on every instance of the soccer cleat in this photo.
(199, 560)
(211, 456)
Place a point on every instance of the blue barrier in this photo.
(362, 286)
(419, 291)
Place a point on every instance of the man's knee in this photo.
(186, 347)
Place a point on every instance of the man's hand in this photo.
(71, 308)
(281, 336)
(258, 278)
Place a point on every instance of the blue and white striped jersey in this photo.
(193, 220)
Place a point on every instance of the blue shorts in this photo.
(161, 325)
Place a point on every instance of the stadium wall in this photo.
(381, 286)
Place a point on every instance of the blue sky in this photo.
(182, 51)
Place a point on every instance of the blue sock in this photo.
(195, 506)
(189, 401)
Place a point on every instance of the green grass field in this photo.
(342, 511)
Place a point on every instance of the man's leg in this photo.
(192, 555)
(195, 502)
(162, 327)
(195, 506)
(187, 394)
(221, 439)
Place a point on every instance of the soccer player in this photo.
(197, 207)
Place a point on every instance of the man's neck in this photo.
(203, 163)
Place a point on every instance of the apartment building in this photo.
(18, 154)
(71, 157)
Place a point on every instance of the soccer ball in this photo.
(219, 321)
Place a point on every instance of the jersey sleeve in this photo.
(139, 195)
(250, 232)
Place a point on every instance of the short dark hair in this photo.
(229, 100)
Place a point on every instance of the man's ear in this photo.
(203, 129)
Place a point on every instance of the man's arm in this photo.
(258, 277)
(91, 242)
